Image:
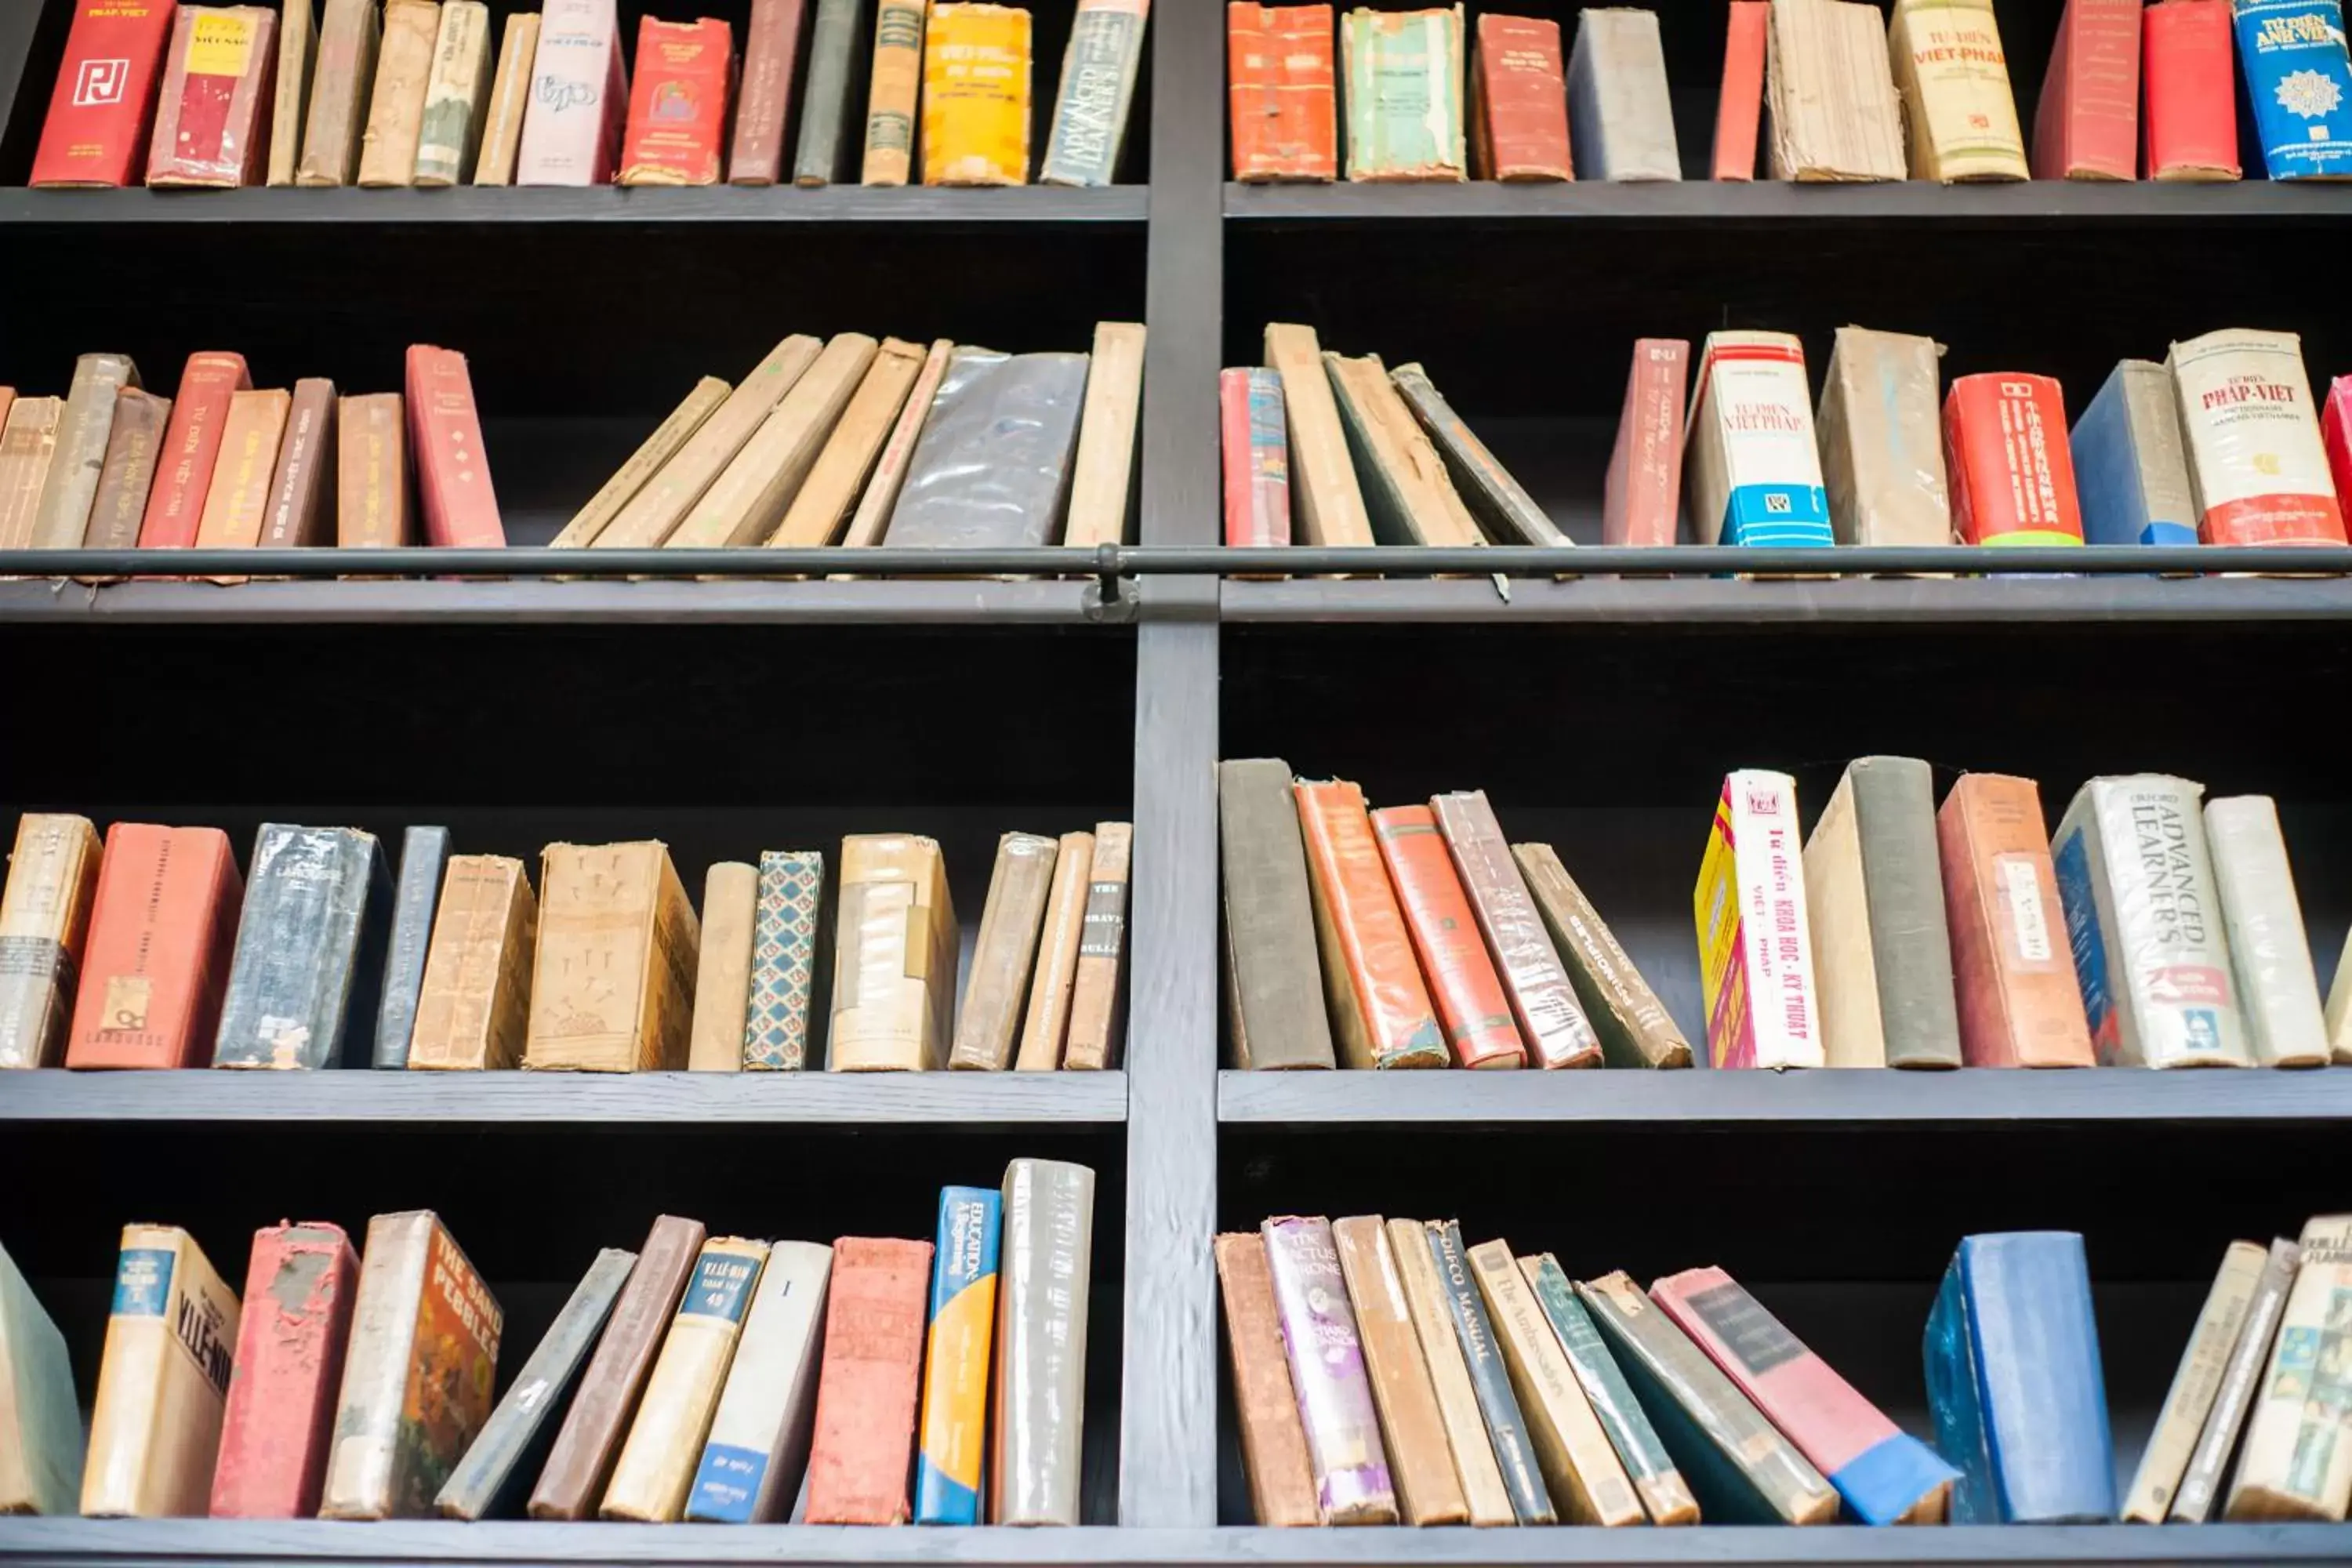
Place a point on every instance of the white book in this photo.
(162, 1380)
(2256, 465)
(1620, 118)
(1044, 1264)
(1754, 470)
(2278, 990)
(751, 1468)
(2195, 1383)
(1754, 941)
(2296, 1462)
(456, 95)
(579, 91)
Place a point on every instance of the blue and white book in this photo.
(2300, 83)
(758, 1444)
(1755, 470)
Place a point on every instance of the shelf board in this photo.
(843, 204)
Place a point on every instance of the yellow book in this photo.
(895, 948)
(43, 923)
(976, 94)
(1953, 81)
(722, 986)
(162, 1380)
(897, 83)
(656, 1468)
(474, 1007)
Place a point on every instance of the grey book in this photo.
(1274, 981)
(1090, 109)
(1875, 893)
(836, 58)
(1490, 1377)
(63, 519)
(310, 949)
(493, 1479)
(1506, 513)
(1620, 119)
(1039, 1408)
(2241, 1374)
(992, 470)
(423, 854)
(1393, 516)
(1635, 1030)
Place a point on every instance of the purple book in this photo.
(1326, 1371)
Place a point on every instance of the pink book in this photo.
(1642, 495)
(453, 472)
(2336, 430)
(2087, 125)
(1741, 103)
(579, 96)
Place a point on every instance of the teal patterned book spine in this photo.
(783, 960)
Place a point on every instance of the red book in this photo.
(212, 116)
(2086, 126)
(161, 931)
(1519, 129)
(1471, 1002)
(771, 41)
(104, 103)
(1279, 90)
(677, 108)
(453, 472)
(1642, 497)
(1257, 458)
(1741, 104)
(2336, 429)
(2189, 58)
(289, 1372)
(2012, 472)
(867, 1382)
(184, 474)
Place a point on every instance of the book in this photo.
(299, 513)
(2335, 432)
(2257, 467)
(1740, 103)
(454, 492)
(41, 1422)
(1413, 1431)
(829, 495)
(417, 1377)
(134, 447)
(881, 497)
(1371, 983)
(473, 1006)
(1330, 507)
(580, 1461)
(1273, 1443)
(1634, 1026)
(953, 1431)
(211, 128)
(771, 43)
(1406, 491)
(404, 70)
(45, 916)
(2013, 1382)
(1004, 952)
(1403, 97)
(2131, 477)
(1755, 946)
(1098, 70)
(192, 444)
(2013, 969)
(1281, 93)
(785, 930)
(2013, 477)
(237, 506)
(866, 1383)
(1882, 441)
(1738, 1466)
(1551, 1024)
(723, 980)
(1954, 82)
(1482, 1354)
(2190, 128)
(1095, 989)
(28, 446)
(372, 491)
(286, 1374)
(2297, 78)
(894, 92)
(2339, 1006)
(1621, 121)
(630, 479)
(613, 975)
(1039, 1400)
(1875, 904)
(1641, 496)
(1753, 471)
(350, 38)
(2086, 126)
(103, 105)
(494, 1477)
(1468, 994)
(416, 890)
(836, 58)
(163, 1380)
(658, 1460)
(1830, 105)
(2270, 955)
(1885, 1475)
(307, 969)
(1518, 100)
(992, 465)
(2249, 1358)
(457, 96)
(1579, 1468)
(746, 503)
(2219, 1324)
(894, 975)
(758, 1450)
(976, 69)
(1665, 1496)
(160, 926)
(1045, 1021)
(71, 487)
(508, 98)
(2293, 1463)
(1501, 511)
(1274, 997)
(1103, 473)
(677, 104)
(1486, 1500)
(580, 95)
(1326, 1371)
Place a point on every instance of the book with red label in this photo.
(677, 108)
(160, 933)
(2257, 467)
(453, 472)
(211, 114)
(2086, 126)
(289, 1370)
(1518, 129)
(1642, 496)
(2335, 431)
(2189, 62)
(2012, 472)
(1280, 91)
(1257, 457)
(1740, 106)
(103, 106)
(1471, 1003)
(192, 443)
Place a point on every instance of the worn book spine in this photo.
(192, 444)
(287, 1370)
(1505, 512)
(1404, 485)
(2012, 474)
(668, 438)
(1552, 1023)
(1579, 1468)
(163, 1380)
(826, 498)
(40, 1419)
(867, 1382)
(1469, 996)
(571, 131)
(722, 981)
(236, 507)
(1518, 115)
(1274, 1000)
(1640, 498)
(2086, 126)
(453, 492)
(350, 37)
(1665, 1496)
(1739, 104)
(612, 978)
(992, 467)
(894, 976)
(160, 928)
(134, 447)
(1485, 1499)
(310, 949)
(677, 104)
(1326, 1371)
(1412, 1430)
(662, 505)
(2241, 1375)
(1753, 471)
(300, 513)
(1829, 97)
(1954, 79)
(1882, 441)
(508, 98)
(1622, 119)
(976, 72)
(456, 95)
(836, 61)
(1045, 1020)
(62, 522)
(881, 498)
(417, 891)
(2298, 77)
(1634, 1027)
(1040, 1395)
(2270, 953)
(1403, 99)
(2190, 128)
(1256, 457)
(1004, 954)
(1281, 91)
(27, 447)
(100, 112)
(2020, 1003)
(747, 503)
(1756, 965)
(403, 70)
(1330, 505)
(2295, 1463)
(2339, 1006)
(953, 1436)
(2131, 473)
(1098, 71)
(2220, 1322)
(657, 1464)
(771, 43)
(1103, 473)
(1273, 1443)
(786, 927)
(2256, 462)
(473, 1008)
(1482, 1352)
(1371, 981)
(1875, 903)
(1095, 988)
(894, 92)
(45, 918)
(212, 112)
(751, 1467)
(372, 490)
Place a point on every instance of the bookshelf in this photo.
(1600, 712)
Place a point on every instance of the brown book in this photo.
(63, 523)
(827, 498)
(238, 502)
(474, 1007)
(2020, 1004)
(29, 444)
(509, 96)
(1421, 1459)
(1103, 472)
(1274, 1442)
(348, 41)
(573, 1482)
(1004, 954)
(1635, 1030)
(1557, 1032)
(1094, 996)
(297, 41)
(132, 450)
(44, 931)
(211, 114)
(372, 504)
(1047, 1021)
(396, 107)
(299, 512)
(770, 44)
(612, 980)
(869, 1382)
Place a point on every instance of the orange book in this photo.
(1741, 103)
(192, 444)
(2012, 968)
(1469, 994)
(1370, 978)
(160, 936)
(1284, 108)
(867, 1384)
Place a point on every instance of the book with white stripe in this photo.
(751, 1467)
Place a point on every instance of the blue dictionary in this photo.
(2130, 473)
(954, 1432)
(2300, 83)
(2013, 1382)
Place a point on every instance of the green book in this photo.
(836, 51)
(41, 1422)
(1664, 1495)
(1403, 79)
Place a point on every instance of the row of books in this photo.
(701, 1378)
(2222, 443)
(405, 92)
(1385, 1373)
(1853, 93)
(151, 953)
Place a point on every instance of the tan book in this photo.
(237, 504)
(894, 963)
(827, 496)
(1413, 1429)
(132, 448)
(456, 95)
(1102, 476)
(473, 1011)
(395, 117)
(747, 501)
(873, 513)
(2297, 1458)
(1046, 1023)
(1581, 1470)
(613, 976)
(44, 924)
(1487, 1500)
(79, 459)
(1330, 505)
(1102, 940)
(372, 495)
(1882, 434)
(29, 444)
(1635, 1030)
(651, 1477)
(2339, 1008)
(1954, 82)
(647, 461)
(722, 983)
(509, 96)
(1004, 954)
(894, 91)
(1829, 93)
(162, 1380)
(297, 41)
(1407, 494)
(349, 41)
(1274, 1439)
(651, 515)
(2194, 1384)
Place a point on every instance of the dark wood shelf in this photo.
(469, 205)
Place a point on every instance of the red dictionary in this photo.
(677, 108)
(453, 472)
(2011, 473)
(1519, 131)
(212, 116)
(288, 1370)
(161, 931)
(2190, 64)
(1741, 104)
(1471, 1002)
(1642, 495)
(184, 475)
(2336, 429)
(104, 103)
(2087, 124)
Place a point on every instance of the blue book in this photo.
(2130, 473)
(2300, 83)
(954, 1432)
(2013, 1382)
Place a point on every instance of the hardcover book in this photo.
(372, 494)
(1404, 94)
(953, 1433)
(452, 470)
(785, 930)
(1518, 100)
(1490, 1380)
(657, 1464)
(509, 95)
(1739, 105)
(2087, 125)
(134, 449)
(1634, 1027)
(1274, 997)
(753, 1465)
(677, 105)
(1503, 512)
(211, 114)
(1754, 474)
(2257, 467)
(2012, 476)
(976, 69)
(456, 95)
(1327, 1373)
(103, 105)
(612, 977)
(1045, 1021)
(865, 1441)
(1273, 1443)
(2013, 974)
(831, 492)
(160, 928)
(2263, 919)
(1829, 93)
(163, 1380)
(836, 59)
(2220, 1323)
(192, 444)
(771, 43)
(1040, 1396)
(894, 92)
(40, 1420)
(2295, 1463)
(1755, 948)
(722, 979)
(236, 507)
(1665, 1496)
(2335, 432)
(1005, 953)
(71, 487)
(991, 468)
(300, 513)
(1471, 1002)
(1552, 1025)
(1874, 901)
(1410, 500)
(288, 1371)
(2298, 78)
(45, 916)
(580, 93)
(1098, 72)
(1640, 498)
(1622, 119)
(1882, 441)
(2130, 473)
(416, 890)
(1095, 989)
(1579, 1468)
(308, 965)
(1329, 505)
(1371, 983)
(1954, 81)
(670, 497)
(1412, 1432)
(350, 37)
(1103, 472)
(2190, 130)
(1280, 92)
(473, 1008)
(2243, 1375)
(630, 479)
(2339, 1008)
(29, 444)
(395, 116)
(894, 973)
(1426, 1296)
